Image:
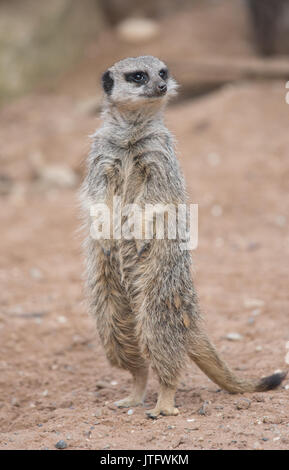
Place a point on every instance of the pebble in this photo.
(66, 404)
(35, 273)
(204, 409)
(15, 402)
(97, 413)
(179, 441)
(234, 336)
(61, 445)
(61, 319)
(256, 312)
(272, 420)
(58, 175)
(253, 303)
(243, 404)
(130, 412)
(101, 384)
(259, 398)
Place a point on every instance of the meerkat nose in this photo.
(162, 88)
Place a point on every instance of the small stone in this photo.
(61, 319)
(258, 348)
(97, 413)
(179, 441)
(66, 404)
(58, 175)
(253, 303)
(61, 445)
(234, 336)
(15, 401)
(259, 398)
(272, 420)
(243, 404)
(35, 273)
(130, 412)
(101, 384)
(203, 411)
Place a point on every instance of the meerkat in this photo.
(141, 291)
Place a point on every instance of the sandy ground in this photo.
(55, 382)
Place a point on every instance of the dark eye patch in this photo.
(139, 77)
(164, 73)
(107, 82)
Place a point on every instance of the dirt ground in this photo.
(233, 144)
(55, 381)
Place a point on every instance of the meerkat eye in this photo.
(163, 73)
(137, 77)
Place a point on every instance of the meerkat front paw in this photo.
(155, 412)
(128, 402)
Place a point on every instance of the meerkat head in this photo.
(138, 81)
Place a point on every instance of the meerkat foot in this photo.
(128, 402)
(166, 403)
(155, 412)
(139, 386)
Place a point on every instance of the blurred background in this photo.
(230, 119)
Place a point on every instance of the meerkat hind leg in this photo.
(136, 396)
(166, 403)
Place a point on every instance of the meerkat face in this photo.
(138, 81)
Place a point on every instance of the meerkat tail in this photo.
(204, 354)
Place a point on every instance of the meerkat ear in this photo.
(107, 82)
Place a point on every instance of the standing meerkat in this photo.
(140, 291)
